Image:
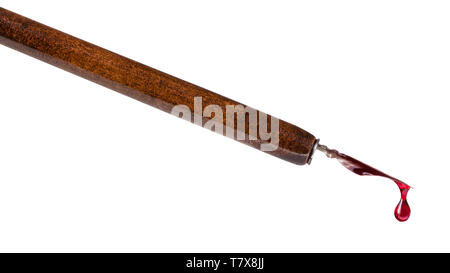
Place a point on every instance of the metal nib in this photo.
(330, 153)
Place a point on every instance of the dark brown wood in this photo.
(136, 80)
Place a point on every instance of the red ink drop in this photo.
(402, 211)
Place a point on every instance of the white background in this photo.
(83, 168)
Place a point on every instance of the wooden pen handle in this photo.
(152, 87)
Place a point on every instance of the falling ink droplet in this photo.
(402, 210)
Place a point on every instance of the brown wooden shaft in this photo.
(138, 81)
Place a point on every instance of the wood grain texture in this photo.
(136, 80)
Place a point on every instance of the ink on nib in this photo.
(402, 211)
